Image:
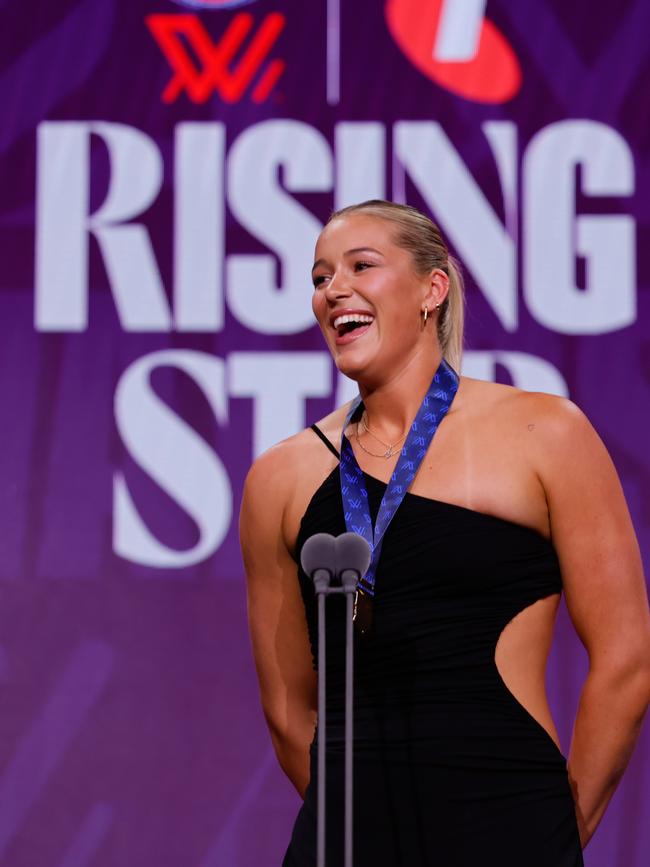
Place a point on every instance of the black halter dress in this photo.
(449, 768)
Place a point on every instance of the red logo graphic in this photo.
(488, 73)
(175, 33)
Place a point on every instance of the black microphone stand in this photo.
(351, 559)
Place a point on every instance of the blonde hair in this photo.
(419, 235)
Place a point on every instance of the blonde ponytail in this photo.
(451, 321)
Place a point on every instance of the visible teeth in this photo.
(352, 317)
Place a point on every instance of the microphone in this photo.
(318, 560)
(344, 560)
(352, 559)
(353, 556)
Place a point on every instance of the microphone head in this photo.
(352, 552)
(319, 552)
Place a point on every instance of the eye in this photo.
(318, 280)
(361, 266)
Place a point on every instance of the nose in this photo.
(337, 288)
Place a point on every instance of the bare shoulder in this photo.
(476, 397)
(274, 474)
(282, 480)
(560, 430)
(522, 442)
(282, 463)
(274, 466)
(332, 423)
(569, 457)
(540, 412)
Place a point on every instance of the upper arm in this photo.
(276, 616)
(593, 535)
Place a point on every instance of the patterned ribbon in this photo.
(433, 409)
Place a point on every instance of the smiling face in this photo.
(361, 275)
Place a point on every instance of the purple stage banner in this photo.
(165, 170)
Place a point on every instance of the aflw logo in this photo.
(176, 33)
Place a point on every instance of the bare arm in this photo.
(278, 629)
(606, 597)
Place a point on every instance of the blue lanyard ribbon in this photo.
(433, 409)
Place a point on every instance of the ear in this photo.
(437, 288)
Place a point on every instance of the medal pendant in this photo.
(362, 613)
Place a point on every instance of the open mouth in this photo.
(351, 326)
(347, 327)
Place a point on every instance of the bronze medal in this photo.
(362, 614)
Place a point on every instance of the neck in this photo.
(392, 405)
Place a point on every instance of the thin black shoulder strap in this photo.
(329, 445)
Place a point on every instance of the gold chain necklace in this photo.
(389, 450)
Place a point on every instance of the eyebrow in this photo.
(349, 253)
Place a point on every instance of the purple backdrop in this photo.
(165, 169)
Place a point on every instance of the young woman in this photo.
(514, 499)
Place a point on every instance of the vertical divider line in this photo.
(333, 70)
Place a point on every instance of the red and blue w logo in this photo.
(236, 62)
